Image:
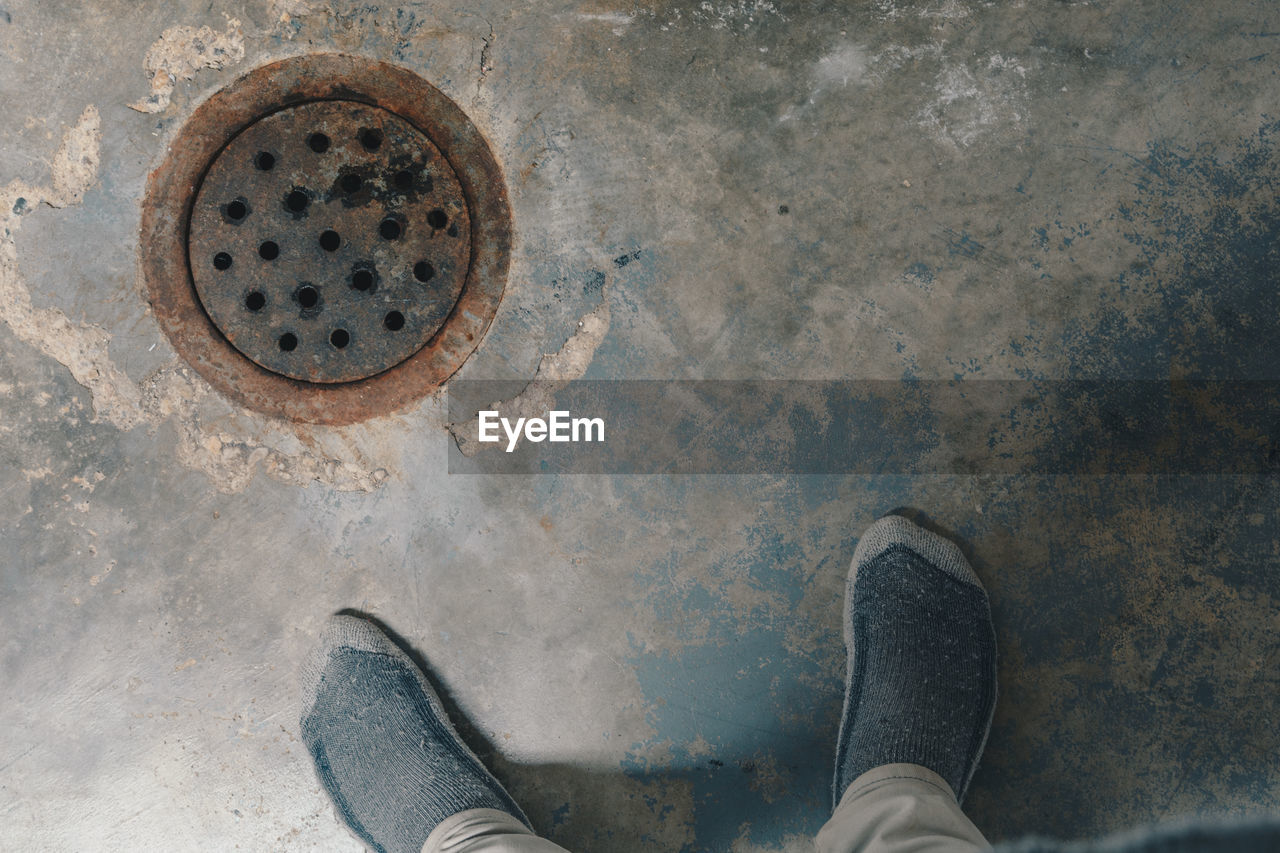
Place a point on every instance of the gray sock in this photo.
(383, 747)
(921, 681)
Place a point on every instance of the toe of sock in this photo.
(895, 530)
(341, 632)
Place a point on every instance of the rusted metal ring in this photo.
(166, 219)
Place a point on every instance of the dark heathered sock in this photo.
(383, 747)
(921, 681)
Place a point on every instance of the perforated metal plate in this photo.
(327, 240)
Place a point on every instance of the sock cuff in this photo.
(894, 530)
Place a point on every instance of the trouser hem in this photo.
(899, 808)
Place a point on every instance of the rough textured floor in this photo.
(728, 189)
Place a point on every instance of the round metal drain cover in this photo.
(327, 240)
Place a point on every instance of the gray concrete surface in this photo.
(890, 189)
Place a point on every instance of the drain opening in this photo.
(390, 229)
(334, 324)
(236, 210)
(296, 201)
(371, 138)
(307, 296)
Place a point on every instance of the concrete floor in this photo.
(889, 189)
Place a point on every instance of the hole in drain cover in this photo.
(338, 175)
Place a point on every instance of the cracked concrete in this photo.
(182, 51)
(230, 460)
(906, 189)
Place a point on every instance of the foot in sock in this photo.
(921, 681)
(383, 747)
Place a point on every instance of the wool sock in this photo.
(383, 746)
(920, 686)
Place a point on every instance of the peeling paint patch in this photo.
(1197, 296)
(182, 51)
(554, 371)
(285, 11)
(288, 15)
(741, 15)
(81, 347)
(171, 393)
(619, 20)
(946, 10)
(229, 460)
(844, 64)
(970, 106)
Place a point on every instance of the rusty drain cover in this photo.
(327, 240)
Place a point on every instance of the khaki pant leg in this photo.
(899, 808)
(486, 831)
